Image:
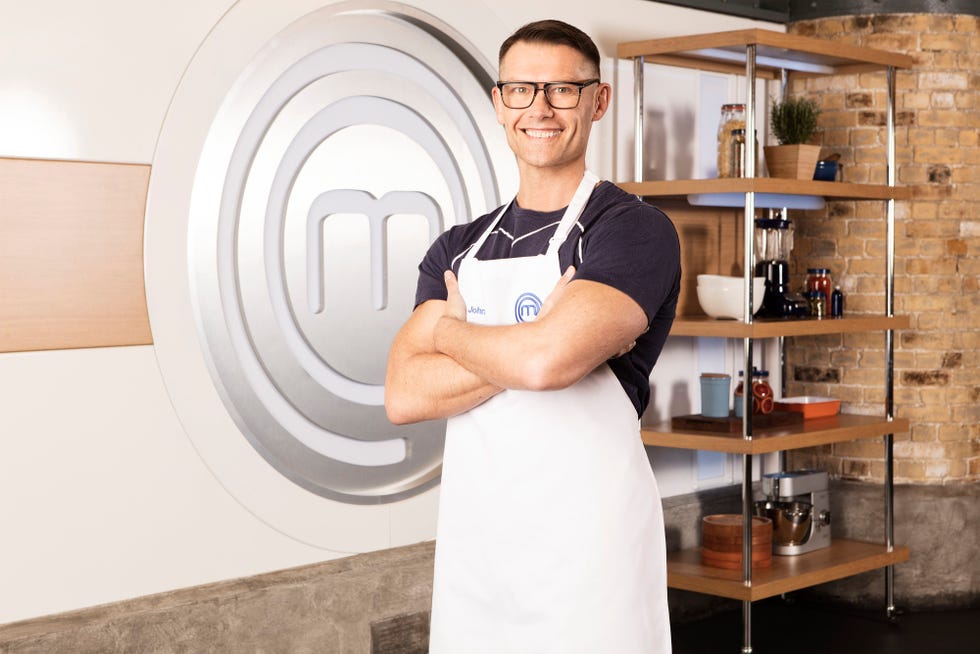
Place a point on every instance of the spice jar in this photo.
(818, 279)
(817, 303)
(732, 118)
(737, 160)
(762, 400)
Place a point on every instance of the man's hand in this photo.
(556, 292)
(455, 305)
(626, 348)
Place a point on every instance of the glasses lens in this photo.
(563, 96)
(517, 95)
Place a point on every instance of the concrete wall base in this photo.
(374, 603)
(378, 603)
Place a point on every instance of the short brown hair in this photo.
(554, 32)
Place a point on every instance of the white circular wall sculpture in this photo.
(309, 157)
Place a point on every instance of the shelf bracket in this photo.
(638, 119)
(748, 165)
(890, 344)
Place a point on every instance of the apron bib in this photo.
(550, 534)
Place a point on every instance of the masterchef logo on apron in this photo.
(527, 307)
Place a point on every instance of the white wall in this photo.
(102, 496)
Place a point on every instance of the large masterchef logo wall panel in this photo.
(336, 153)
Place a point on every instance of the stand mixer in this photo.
(798, 503)
(773, 243)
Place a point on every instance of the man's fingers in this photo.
(564, 279)
(625, 350)
(455, 305)
(451, 284)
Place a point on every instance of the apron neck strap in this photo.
(571, 215)
(574, 210)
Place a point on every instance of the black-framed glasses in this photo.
(560, 95)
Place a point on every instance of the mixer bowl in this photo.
(791, 521)
(721, 296)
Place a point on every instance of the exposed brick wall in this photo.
(937, 360)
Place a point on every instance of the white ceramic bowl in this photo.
(721, 296)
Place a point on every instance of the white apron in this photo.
(550, 534)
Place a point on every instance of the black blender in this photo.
(773, 243)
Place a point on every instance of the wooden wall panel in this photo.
(71, 254)
(711, 242)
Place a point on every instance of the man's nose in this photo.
(540, 102)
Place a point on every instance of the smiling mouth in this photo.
(542, 133)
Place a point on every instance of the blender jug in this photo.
(773, 244)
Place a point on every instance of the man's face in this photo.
(540, 135)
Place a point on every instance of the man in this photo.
(550, 535)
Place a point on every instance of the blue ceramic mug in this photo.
(826, 171)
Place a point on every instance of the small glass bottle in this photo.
(738, 395)
(837, 303)
(732, 118)
(737, 160)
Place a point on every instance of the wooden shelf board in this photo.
(775, 327)
(774, 51)
(715, 66)
(816, 431)
(834, 190)
(788, 573)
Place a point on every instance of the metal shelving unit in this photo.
(761, 54)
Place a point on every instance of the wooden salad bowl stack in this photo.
(721, 541)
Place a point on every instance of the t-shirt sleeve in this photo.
(635, 250)
(445, 253)
(431, 285)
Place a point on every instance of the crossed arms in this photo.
(440, 365)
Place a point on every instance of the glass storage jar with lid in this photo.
(732, 118)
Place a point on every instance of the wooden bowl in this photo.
(721, 541)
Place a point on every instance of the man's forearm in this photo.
(581, 325)
(506, 356)
(429, 386)
(422, 384)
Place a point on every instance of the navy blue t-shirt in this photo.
(619, 240)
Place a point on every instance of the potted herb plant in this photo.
(793, 122)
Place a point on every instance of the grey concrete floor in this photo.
(781, 627)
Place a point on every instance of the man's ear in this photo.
(602, 98)
(498, 105)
